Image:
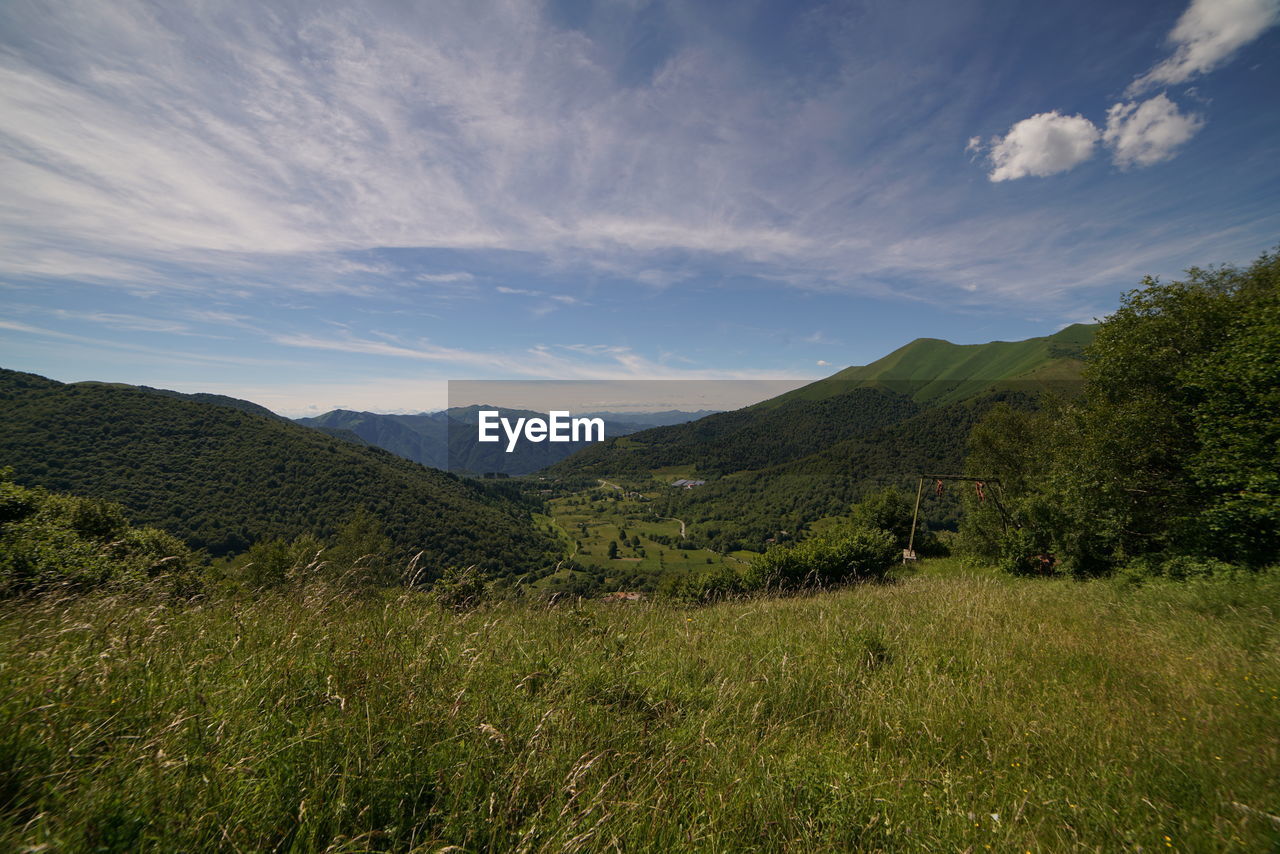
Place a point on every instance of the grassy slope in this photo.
(603, 517)
(944, 713)
(932, 370)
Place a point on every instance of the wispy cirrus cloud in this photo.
(562, 361)
(167, 353)
(264, 145)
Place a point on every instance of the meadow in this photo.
(950, 710)
(587, 522)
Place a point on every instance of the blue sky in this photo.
(322, 205)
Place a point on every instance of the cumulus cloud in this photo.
(1147, 133)
(1206, 36)
(823, 363)
(1045, 144)
(1138, 134)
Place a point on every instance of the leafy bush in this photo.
(460, 589)
(65, 542)
(856, 554)
(1176, 568)
(892, 510)
(703, 588)
(271, 563)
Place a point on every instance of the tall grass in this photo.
(943, 713)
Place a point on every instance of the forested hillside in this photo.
(746, 438)
(746, 508)
(422, 438)
(222, 478)
(777, 466)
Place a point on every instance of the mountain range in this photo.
(783, 463)
(223, 473)
(447, 439)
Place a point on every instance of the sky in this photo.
(315, 205)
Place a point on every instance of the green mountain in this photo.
(221, 477)
(807, 454)
(750, 438)
(935, 371)
(422, 438)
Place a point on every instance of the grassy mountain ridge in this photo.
(222, 478)
(849, 403)
(932, 370)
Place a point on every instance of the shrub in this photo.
(460, 589)
(703, 588)
(57, 541)
(271, 563)
(1176, 568)
(857, 554)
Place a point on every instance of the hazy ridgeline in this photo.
(946, 712)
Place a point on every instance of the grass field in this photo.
(590, 520)
(947, 712)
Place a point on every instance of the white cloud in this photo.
(1147, 133)
(444, 277)
(241, 147)
(823, 363)
(567, 361)
(563, 299)
(1206, 36)
(1045, 144)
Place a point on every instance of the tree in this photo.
(1237, 427)
(1173, 448)
(360, 555)
(893, 511)
(613, 549)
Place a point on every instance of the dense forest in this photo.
(1170, 462)
(744, 439)
(747, 508)
(222, 478)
